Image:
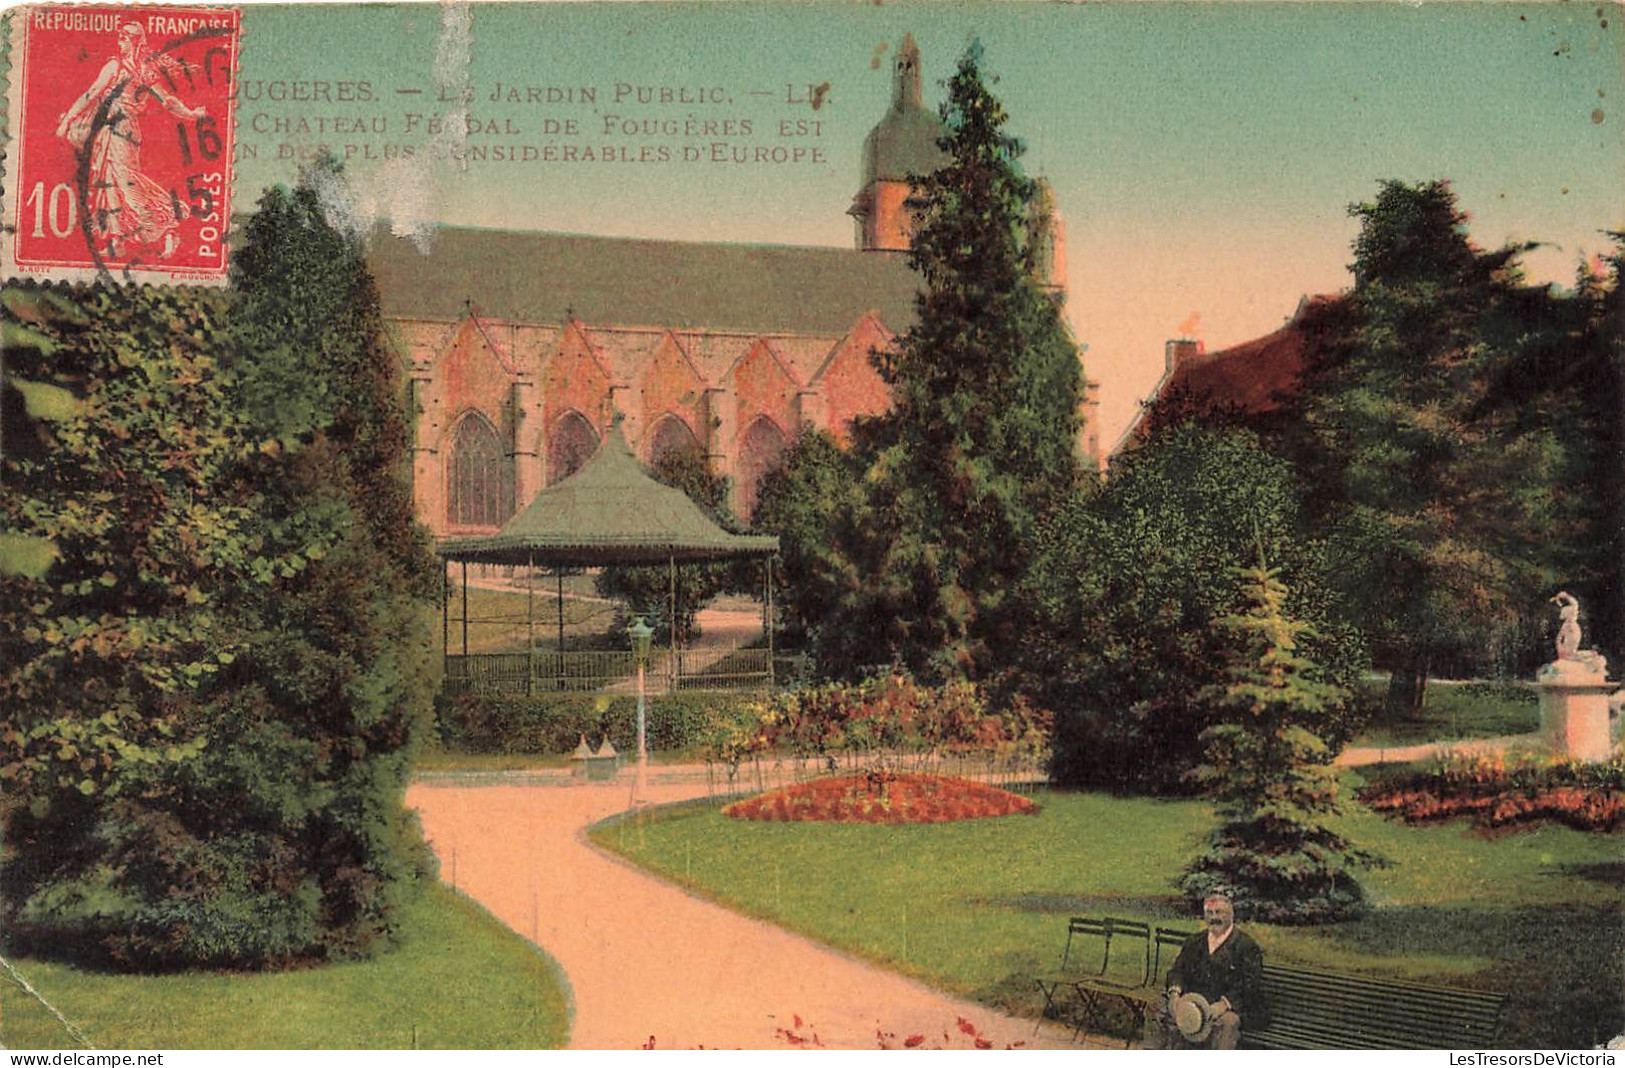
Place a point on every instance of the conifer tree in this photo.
(1270, 772)
(1435, 493)
(982, 435)
(338, 678)
(1592, 376)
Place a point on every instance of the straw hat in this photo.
(1193, 1016)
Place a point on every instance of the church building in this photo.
(524, 347)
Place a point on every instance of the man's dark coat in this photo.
(1234, 972)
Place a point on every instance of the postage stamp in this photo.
(122, 132)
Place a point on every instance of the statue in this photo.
(1568, 633)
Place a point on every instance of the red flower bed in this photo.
(1495, 794)
(1562, 804)
(882, 797)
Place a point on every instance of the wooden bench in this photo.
(1310, 1009)
(1327, 1010)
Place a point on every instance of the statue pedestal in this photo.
(1574, 709)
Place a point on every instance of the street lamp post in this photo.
(641, 634)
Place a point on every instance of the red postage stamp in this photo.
(122, 132)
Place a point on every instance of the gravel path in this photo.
(646, 960)
(1359, 756)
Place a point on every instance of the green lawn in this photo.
(1454, 711)
(459, 980)
(497, 621)
(979, 907)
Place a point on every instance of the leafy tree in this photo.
(647, 590)
(1436, 494)
(981, 438)
(802, 502)
(213, 693)
(1123, 639)
(1270, 772)
(109, 652)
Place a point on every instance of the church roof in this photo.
(609, 512)
(545, 278)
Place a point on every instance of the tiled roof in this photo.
(544, 278)
(1254, 376)
(609, 512)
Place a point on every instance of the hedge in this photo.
(554, 723)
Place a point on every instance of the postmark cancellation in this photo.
(121, 129)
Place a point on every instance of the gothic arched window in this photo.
(479, 476)
(671, 438)
(761, 449)
(571, 444)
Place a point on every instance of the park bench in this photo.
(1312, 1009)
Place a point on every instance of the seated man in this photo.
(1224, 966)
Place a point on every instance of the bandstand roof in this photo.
(609, 512)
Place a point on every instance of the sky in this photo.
(1203, 155)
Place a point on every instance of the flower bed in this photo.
(882, 797)
(1496, 793)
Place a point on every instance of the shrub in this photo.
(891, 715)
(554, 723)
(1126, 593)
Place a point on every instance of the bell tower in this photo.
(904, 142)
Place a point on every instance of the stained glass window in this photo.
(479, 483)
(572, 444)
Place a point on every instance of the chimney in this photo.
(1180, 349)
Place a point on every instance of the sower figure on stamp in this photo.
(127, 209)
(1213, 986)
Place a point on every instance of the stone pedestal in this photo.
(1574, 709)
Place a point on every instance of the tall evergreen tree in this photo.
(982, 435)
(1435, 493)
(1270, 772)
(1591, 376)
(339, 666)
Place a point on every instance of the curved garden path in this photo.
(645, 959)
(1359, 756)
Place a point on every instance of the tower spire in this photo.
(906, 92)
